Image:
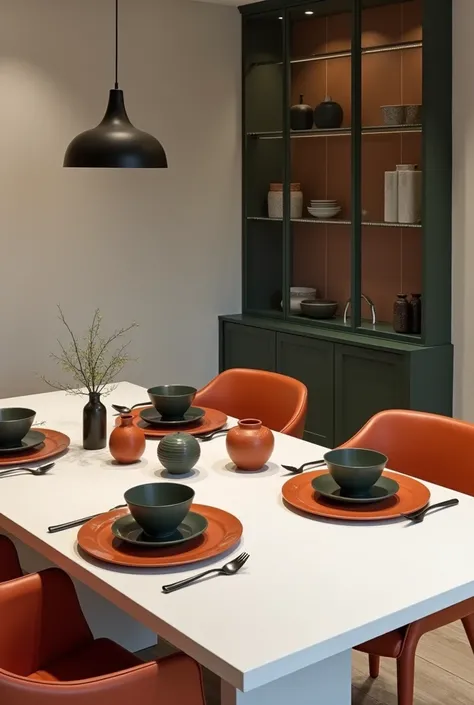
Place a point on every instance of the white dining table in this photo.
(281, 630)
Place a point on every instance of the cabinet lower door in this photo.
(312, 362)
(366, 382)
(247, 346)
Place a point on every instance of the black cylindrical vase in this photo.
(94, 423)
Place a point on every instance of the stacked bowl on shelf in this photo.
(324, 209)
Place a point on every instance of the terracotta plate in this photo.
(223, 532)
(54, 443)
(212, 421)
(412, 495)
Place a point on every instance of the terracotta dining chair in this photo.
(435, 449)
(48, 654)
(280, 402)
(9, 564)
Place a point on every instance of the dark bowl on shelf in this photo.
(319, 308)
(172, 400)
(14, 425)
(159, 507)
(355, 470)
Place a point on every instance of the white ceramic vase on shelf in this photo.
(275, 201)
(391, 197)
(410, 184)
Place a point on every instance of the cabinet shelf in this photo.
(328, 56)
(339, 132)
(335, 221)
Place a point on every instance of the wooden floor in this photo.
(444, 673)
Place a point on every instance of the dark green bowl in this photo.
(172, 400)
(159, 507)
(355, 470)
(14, 425)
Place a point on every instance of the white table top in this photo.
(311, 588)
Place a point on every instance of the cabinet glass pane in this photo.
(264, 162)
(392, 142)
(320, 153)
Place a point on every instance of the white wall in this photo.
(463, 208)
(159, 247)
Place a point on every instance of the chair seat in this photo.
(98, 658)
(386, 645)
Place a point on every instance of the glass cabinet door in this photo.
(320, 159)
(391, 166)
(263, 163)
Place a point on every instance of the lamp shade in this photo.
(115, 143)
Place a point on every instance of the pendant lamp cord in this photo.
(116, 42)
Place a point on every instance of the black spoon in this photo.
(297, 471)
(126, 409)
(210, 436)
(418, 517)
(34, 471)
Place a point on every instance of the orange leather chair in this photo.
(9, 564)
(280, 402)
(48, 654)
(436, 449)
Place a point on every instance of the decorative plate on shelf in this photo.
(31, 440)
(54, 443)
(298, 492)
(223, 533)
(212, 420)
(153, 417)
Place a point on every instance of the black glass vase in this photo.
(94, 423)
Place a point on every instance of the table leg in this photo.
(324, 683)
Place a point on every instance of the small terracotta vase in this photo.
(250, 444)
(127, 442)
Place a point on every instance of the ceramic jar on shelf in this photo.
(127, 442)
(403, 195)
(275, 201)
(250, 444)
(328, 115)
(301, 116)
(401, 314)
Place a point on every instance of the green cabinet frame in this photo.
(437, 164)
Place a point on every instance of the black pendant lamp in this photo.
(115, 143)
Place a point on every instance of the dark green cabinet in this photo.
(349, 378)
(312, 362)
(246, 346)
(366, 382)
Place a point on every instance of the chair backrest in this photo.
(434, 448)
(9, 564)
(280, 402)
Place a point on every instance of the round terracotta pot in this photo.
(250, 444)
(127, 442)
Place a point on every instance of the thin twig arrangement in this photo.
(90, 362)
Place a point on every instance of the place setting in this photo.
(171, 410)
(357, 487)
(159, 526)
(20, 444)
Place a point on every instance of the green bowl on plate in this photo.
(15, 423)
(159, 507)
(172, 400)
(355, 470)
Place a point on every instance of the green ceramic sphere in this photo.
(179, 452)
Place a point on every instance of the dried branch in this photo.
(89, 360)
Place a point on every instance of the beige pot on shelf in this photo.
(275, 201)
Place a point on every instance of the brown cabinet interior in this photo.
(391, 261)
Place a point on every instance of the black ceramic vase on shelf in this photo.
(415, 314)
(401, 314)
(301, 116)
(94, 430)
(328, 115)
